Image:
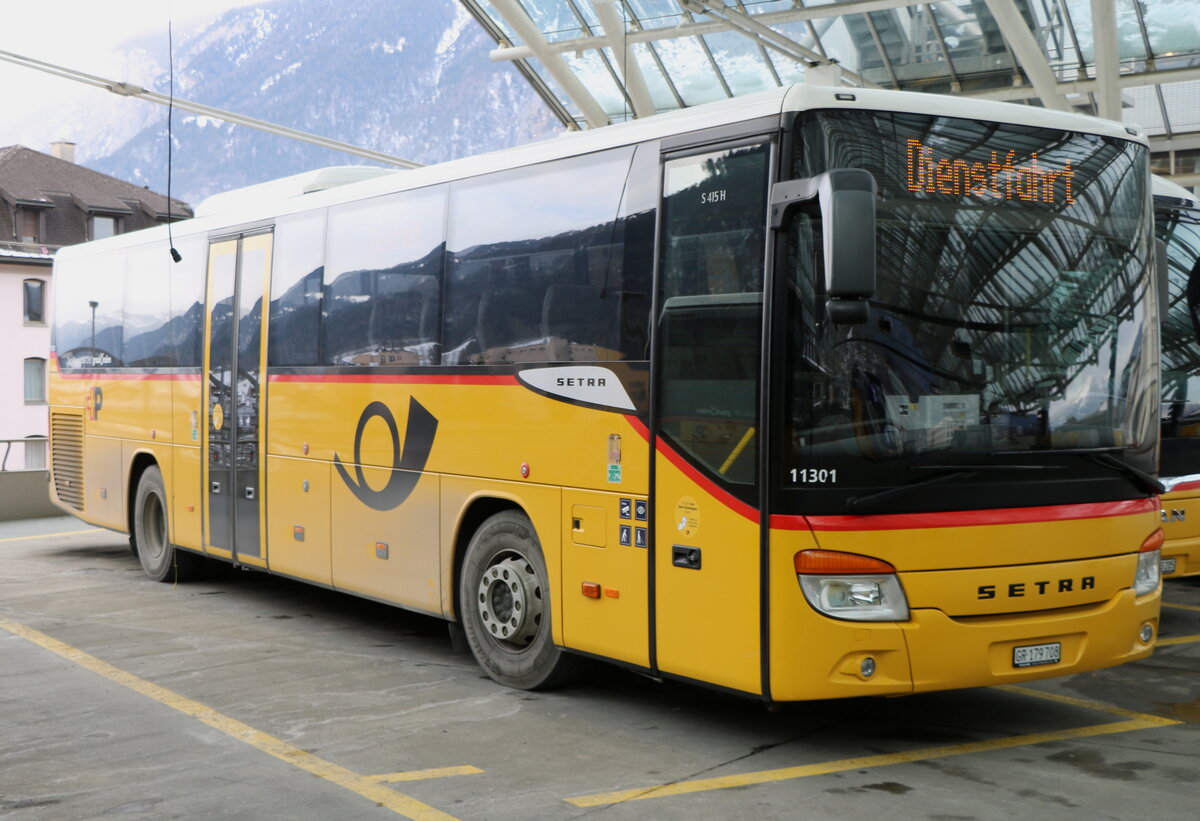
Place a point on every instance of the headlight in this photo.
(1147, 575)
(849, 586)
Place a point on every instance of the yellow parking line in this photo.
(1136, 721)
(421, 775)
(1072, 701)
(52, 535)
(1181, 606)
(1178, 640)
(362, 785)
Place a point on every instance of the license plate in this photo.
(1033, 655)
(1168, 566)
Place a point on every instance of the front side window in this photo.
(1009, 334)
(714, 234)
(34, 293)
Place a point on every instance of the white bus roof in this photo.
(739, 109)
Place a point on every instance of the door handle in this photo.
(216, 487)
(688, 557)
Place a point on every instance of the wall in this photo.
(20, 341)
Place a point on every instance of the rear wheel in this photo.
(506, 606)
(151, 534)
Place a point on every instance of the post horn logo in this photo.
(406, 467)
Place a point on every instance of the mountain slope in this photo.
(405, 77)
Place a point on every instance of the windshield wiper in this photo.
(1103, 456)
(870, 502)
(1139, 477)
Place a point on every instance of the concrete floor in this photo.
(250, 697)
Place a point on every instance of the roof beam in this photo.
(1029, 54)
(648, 35)
(1144, 78)
(1108, 61)
(765, 36)
(131, 90)
(627, 63)
(539, 47)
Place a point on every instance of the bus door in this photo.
(708, 359)
(234, 344)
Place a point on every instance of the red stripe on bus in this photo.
(405, 379)
(1185, 486)
(967, 518)
(706, 484)
(638, 426)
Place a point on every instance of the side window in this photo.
(148, 309)
(35, 381)
(89, 312)
(187, 300)
(383, 277)
(536, 268)
(294, 336)
(35, 301)
(714, 233)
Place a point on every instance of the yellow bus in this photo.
(814, 393)
(1177, 225)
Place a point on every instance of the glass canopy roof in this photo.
(597, 62)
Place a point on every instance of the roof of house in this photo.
(29, 177)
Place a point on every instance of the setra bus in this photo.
(1177, 225)
(809, 394)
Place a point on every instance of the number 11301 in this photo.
(814, 476)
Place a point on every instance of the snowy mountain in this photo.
(410, 78)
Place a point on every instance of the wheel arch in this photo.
(475, 513)
(142, 460)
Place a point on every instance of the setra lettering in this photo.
(581, 382)
(1019, 590)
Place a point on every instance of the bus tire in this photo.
(151, 534)
(505, 606)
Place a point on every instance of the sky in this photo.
(87, 36)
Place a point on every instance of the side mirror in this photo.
(846, 197)
(1162, 279)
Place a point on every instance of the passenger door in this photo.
(238, 269)
(708, 357)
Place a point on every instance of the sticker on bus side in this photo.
(586, 384)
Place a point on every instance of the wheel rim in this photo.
(510, 601)
(154, 526)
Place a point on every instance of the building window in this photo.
(29, 225)
(35, 452)
(35, 311)
(35, 381)
(105, 226)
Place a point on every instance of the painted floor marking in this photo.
(1181, 606)
(1135, 721)
(421, 775)
(365, 786)
(52, 535)
(1178, 640)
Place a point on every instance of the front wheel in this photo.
(505, 606)
(151, 535)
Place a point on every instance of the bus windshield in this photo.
(1179, 227)
(1010, 324)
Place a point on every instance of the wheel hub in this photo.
(510, 601)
